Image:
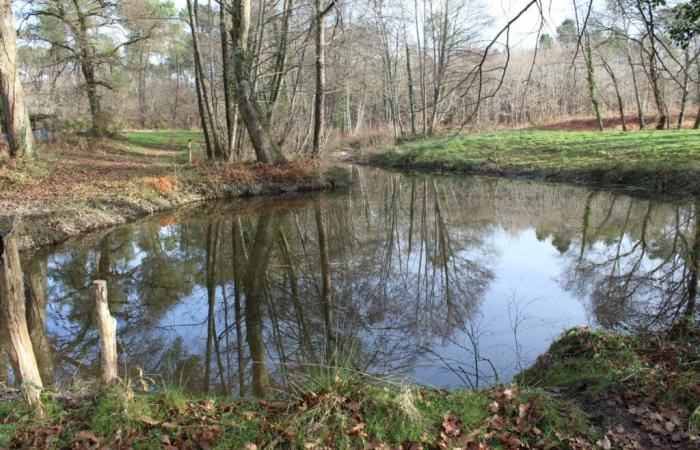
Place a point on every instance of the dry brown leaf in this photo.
(451, 425)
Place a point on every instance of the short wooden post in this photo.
(13, 319)
(189, 150)
(108, 333)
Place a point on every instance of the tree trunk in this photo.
(590, 77)
(142, 74)
(440, 70)
(620, 102)
(411, 91)
(228, 84)
(696, 125)
(320, 96)
(637, 98)
(213, 128)
(421, 69)
(176, 102)
(266, 151)
(107, 326)
(684, 97)
(14, 323)
(281, 59)
(649, 24)
(15, 114)
(86, 58)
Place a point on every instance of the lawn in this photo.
(663, 161)
(162, 139)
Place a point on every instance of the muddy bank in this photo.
(38, 223)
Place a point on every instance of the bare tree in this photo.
(266, 150)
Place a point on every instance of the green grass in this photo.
(665, 161)
(340, 408)
(143, 143)
(351, 412)
(662, 367)
(162, 139)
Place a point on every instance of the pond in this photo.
(443, 281)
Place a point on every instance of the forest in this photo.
(350, 224)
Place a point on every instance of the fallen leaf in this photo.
(86, 436)
(494, 422)
(451, 425)
(604, 443)
(150, 421)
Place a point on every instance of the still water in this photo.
(443, 281)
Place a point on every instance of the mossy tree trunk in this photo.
(15, 114)
(592, 88)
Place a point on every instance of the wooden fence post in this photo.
(108, 333)
(14, 323)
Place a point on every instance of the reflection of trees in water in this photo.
(239, 298)
(361, 278)
(638, 264)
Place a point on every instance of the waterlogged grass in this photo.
(665, 161)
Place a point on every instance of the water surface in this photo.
(445, 281)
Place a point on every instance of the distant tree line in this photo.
(274, 77)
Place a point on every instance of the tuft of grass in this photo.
(664, 161)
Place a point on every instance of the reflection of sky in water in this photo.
(524, 290)
(515, 252)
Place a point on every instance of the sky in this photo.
(524, 31)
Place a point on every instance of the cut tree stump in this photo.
(108, 333)
(14, 323)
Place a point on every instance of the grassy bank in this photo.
(591, 390)
(338, 413)
(78, 185)
(666, 162)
